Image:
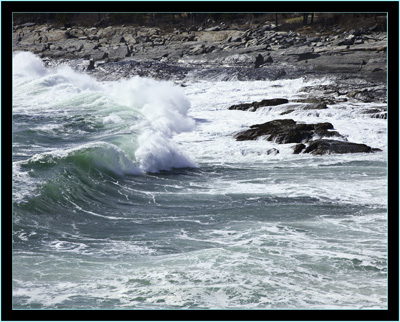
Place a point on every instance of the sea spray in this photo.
(165, 108)
(28, 65)
(130, 122)
(246, 230)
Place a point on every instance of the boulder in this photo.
(319, 147)
(118, 53)
(97, 55)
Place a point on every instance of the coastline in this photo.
(261, 51)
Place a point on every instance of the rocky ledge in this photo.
(258, 51)
(314, 135)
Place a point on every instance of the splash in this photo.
(135, 118)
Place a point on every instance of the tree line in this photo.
(173, 19)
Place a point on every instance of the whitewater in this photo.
(134, 194)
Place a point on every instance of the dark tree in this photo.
(305, 18)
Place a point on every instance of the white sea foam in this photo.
(224, 239)
(28, 65)
(155, 111)
(165, 108)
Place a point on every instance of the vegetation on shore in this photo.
(284, 21)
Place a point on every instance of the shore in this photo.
(260, 51)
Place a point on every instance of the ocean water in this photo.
(133, 194)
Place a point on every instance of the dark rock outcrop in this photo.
(287, 131)
(319, 147)
(255, 105)
(311, 138)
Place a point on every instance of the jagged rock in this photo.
(255, 105)
(287, 131)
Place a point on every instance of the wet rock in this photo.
(319, 147)
(287, 131)
(311, 138)
(91, 65)
(252, 107)
(298, 148)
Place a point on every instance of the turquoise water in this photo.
(133, 194)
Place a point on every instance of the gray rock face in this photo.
(360, 53)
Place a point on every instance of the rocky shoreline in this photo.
(260, 51)
(356, 58)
